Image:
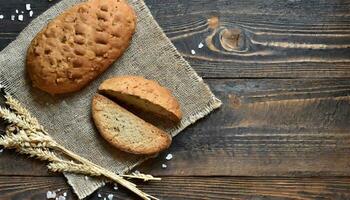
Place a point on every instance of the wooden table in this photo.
(282, 70)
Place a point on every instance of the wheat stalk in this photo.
(139, 175)
(27, 136)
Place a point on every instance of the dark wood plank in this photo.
(35, 188)
(253, 38)
(265, 128)
(260, 38)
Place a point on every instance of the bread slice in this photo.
(143, 94)
(126, 131)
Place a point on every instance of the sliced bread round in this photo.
(126, 131)
(143, 94)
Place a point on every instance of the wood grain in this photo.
(265, 128)
(285, 39)
(35, 188)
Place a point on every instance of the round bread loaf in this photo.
(78, 45)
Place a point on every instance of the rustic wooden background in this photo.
(282, 69)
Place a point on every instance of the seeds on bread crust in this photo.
(80, 44)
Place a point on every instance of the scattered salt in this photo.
(1, 16)
(110, 196)
(50, 195)
(28, 6)
(65, 194)
(61, 198)
(16, 11)
(201, 45)
(169, 156)
(12, 17)
(164, 166)
(99, 195)
(86, 178)
(20, 17)
(193, 52)
(31, 13)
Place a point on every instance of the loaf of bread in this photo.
(78, 45)
(144, 94)
(126, 131)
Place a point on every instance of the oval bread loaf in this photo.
(125, 130)
(143, 94)
(78, 45)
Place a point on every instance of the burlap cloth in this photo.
(68, 118)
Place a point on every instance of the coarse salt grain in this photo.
(61, 198)
(193, 52)
(1, 16)
(22, 12)
(164, 166)
(12, 17)
(169, 156)
(110, 196)
(65, 194)
(86, 178)
(28, 6)
(20, 17)
(99, 195)
(104, 198)
(16, 11)
(1, 150)
(50, 195)
(115, 187)
(201, 45)
(31, 13)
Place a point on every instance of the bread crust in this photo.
(133, 135)
(161, 99)
(80, 44)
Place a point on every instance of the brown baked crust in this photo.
(148, 90)
(80, 44)
(126, 131)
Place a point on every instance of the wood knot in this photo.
(231, 39)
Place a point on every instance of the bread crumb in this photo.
(201, 45)
(50, 195)
(31, 13)
(28, 6)
(193, 52)
(20, 17)
(169, 156)
(164, 166)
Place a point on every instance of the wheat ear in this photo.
(27, 136)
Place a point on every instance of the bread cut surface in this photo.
(80, 44)
(144, 94)
(126, 131)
